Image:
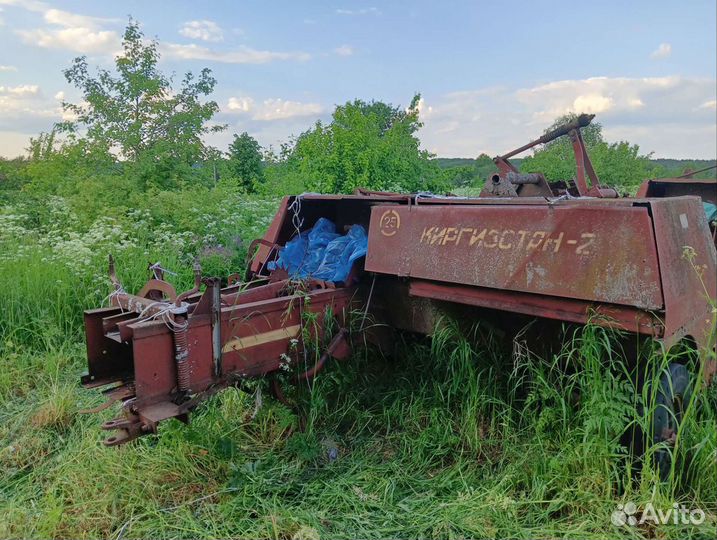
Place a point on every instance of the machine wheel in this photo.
(673, 398)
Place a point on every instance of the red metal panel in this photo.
(252, 337)
(680, 187)
(562, 309)
(256, 334)
(155, 374)
(100, 348)
(200, 350)
(271, 236)
(689, 285)
(604, 253)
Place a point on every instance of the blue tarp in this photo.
(711, 211)
(322, 253)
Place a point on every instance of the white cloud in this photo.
(271, 121)
(23, 108)
(79, 33)
(22, 90)
(272, 109)
(204, 30)
(30, 5)
(593, 95)
(424, 110)
(344, 50)
(242, 55)
(14, 110)
(86, 34)
(362, 11)
(663, 51)
(592, 103)
(78, 39)
(279, 109)
(74, 20)
(7, 68)
(240, 105)
(672, 116)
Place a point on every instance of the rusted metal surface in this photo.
(705, 188)
(564, 249)
(562, 309)
(172, 354)
(585, 170)
(509, 183)
(579, 122)
(688, 267)
(646, 265)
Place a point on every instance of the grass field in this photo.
(454, 437)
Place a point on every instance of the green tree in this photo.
(57, 164)
(484, 167)
(618, 165)
(245, 156)
(137, 114)
(459, 176)
(366, 144)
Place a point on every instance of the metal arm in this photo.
(582, 160)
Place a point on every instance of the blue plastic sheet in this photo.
(711, 211)
(322, 253)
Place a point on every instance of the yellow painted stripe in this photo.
(238, 344)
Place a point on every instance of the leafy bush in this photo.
(370, 145)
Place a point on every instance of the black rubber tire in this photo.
(673, 398)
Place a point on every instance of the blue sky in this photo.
(492, 74)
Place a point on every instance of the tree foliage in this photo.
(366, 144)
(137, 113)
(484, 166)
(245, 160)
(58, 164)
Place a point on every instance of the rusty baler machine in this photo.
(569, 251)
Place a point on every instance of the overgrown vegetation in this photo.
(454, 436)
